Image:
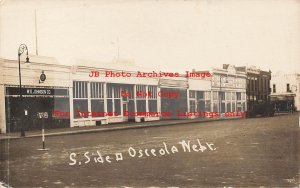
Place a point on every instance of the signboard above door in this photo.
(37, 91)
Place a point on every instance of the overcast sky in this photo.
(171, 35)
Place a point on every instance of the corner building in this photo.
(228, 90)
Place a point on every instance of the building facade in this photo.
(228, 90)
(76, 96)
(37, 96)
(258, 87)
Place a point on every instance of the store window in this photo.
(97, 97)
(243, 96)
(207, 97)
(152, 99)
(200, 101)
(233, 106)
(215, 107)
(114, 99)
(192, 101)
(192, 106)
(141, 98)
(80, 99)
(233, 96)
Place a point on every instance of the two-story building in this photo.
(228, 89)
(286, 91)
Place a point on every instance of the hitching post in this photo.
(43, 115)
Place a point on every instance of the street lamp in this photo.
(21, 50)
(220, 97)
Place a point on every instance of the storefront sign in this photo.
(36, 91)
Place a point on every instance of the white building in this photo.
(285, 90)
(228, 89)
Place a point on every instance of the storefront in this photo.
(38, 96)
(199, 99)
(102, 100)
(284, 102)
(75, 96)
(228, 90)
(24, 112)
(173, 96)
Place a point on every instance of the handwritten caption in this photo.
(87, 157)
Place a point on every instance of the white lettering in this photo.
(72, 159)
(132, 152)
(185, 146)
(119, 157)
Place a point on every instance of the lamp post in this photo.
(220, 97)
(21, 50)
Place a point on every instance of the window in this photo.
(207, 101)
(228, 95)
(222, 107)
(238, 96)
(141, 92)
(201, 106)
(266, 84)
(97, 106)
(207, 106)
(274, 88)
(207, 95)
(233, 96)
(192, 105)
(114, 99)
(222, 95)
(141, 105)
(200, 95)
(243, 106)
(141, 98)
(61, 104)
(200, 101)
(80, 99)
(97, 97)
(192, 94)
(243, 96)
(238, 106)
(228, 105)
(215, 95)
(152, 99)
(152, 105)
(192, 101)
(215, 107)
(233, 106)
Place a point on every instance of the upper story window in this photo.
(288, 88)
(274, 88)
(238, 96)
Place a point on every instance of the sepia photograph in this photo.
(149, 93)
